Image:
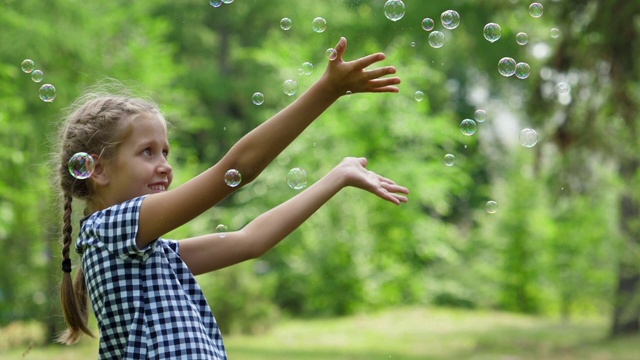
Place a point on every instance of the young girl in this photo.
(142, 287)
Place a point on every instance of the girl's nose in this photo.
(165, 167)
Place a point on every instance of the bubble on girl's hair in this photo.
(450, 19)
(221, 230)
(523, 70)
(233, 177)
(257, 98)
(290, 87)
(331, 54)
(394, 10)
(449, 159)
(37, 75)
(436, 39)
(319, 24)
(522, 38)
(27, 66)
(468, 127)
(536, 10)
(419, 95)
(47, 92)
(492, 32)
(307, 68)
(428, 24)
(285, 23)
(491, 207)
(507, 66)
(297, 178)
(480, 115)
(215, 3)
(81, 165)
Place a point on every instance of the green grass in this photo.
(413, 333)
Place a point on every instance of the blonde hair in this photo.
(96, 123)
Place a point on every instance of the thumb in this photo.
(341, 48)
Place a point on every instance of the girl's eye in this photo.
(165, 153)
(147, 152)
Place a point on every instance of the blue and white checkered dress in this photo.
(147, 302)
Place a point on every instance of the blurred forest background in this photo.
(565, 240)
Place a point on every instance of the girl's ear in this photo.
(100, 175)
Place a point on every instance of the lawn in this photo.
(410, 333)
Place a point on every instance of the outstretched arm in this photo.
(211, 252)
(257, 149)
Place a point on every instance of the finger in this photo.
(394, 188)
(380, 72)
(382, 82)
(341, 48)
(368, 60)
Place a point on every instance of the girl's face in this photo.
(140, 166)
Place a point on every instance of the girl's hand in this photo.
(354, 173)
(342, 77)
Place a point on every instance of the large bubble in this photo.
(319, 24)
(27, 66)
(468, 127)
(297, 178)
(450, 19)
(492, 32)
(528, 138)
(436, 39)
(507, 66)
(285, 23)
(233, 177)
(394, 10)
(81, 165)
(47, 93)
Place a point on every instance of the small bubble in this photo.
(348, 92)
(507, 66)
(449, 159)
(290, 87)
(555, 33)
(468, 127)
(491, 207)
(227, 1)
(27, 66)
(215, 3)
(285, 24)
(319, 24)
(233, 177)
(81, 165)
(480, 115)
(492, 32)
(419, 95)
(307, 68)
(221, 230)
(523, 70)
(413, 44)
(297, 179)
(450, 19)
(436, 39)
(37, 76)
(535, 10)
(563, 88)
(522, 38)
(331, 54)
(47, 92)
(528, 138)
(394, 10)
(257, 98)
(428, 24)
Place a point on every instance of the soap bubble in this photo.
(47, 92)
(307, 68)
(523, 70)
(233, 177)
(491, 207)
(215, 3)
(480, 115)
(27, 66)
(37, 75)
(450, 19)
(507, 66)
(492, 32)
(394, 10)
(331, 54)
(257, 98)
(535, 10)
(319, 24)
(468, 127)
(297, 178)
(290, 87)
(221, 229)
(227, 1)
(419, 95)
(563, 88)
(285, 23)
(428, 24)
(436, 39)
(81, 165)
(522, 38)
(555, 33)
(528, 137)
(449, 159)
